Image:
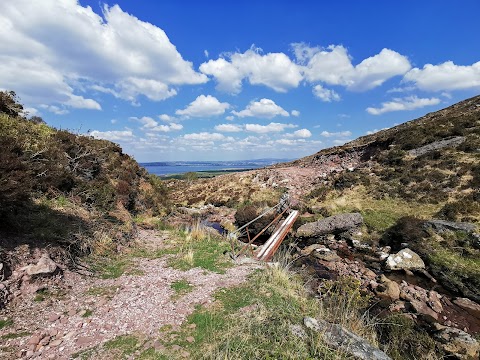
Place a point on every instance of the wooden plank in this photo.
(277, 237)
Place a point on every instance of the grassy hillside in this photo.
(60, 188)
(390, 168)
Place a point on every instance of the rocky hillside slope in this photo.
(414, 191)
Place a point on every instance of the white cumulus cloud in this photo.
(204, 136)
(326, 95)
(274, 70)
(116, 135)
(446, 76)
(299, 134)
(295, 113)
(149, 124)
(204, 106)
(228, 128)
(302, 133)
(58, 48)
(167, 118)
(336, 134)
(57, 110)
(402, 104)
(333, 66)
(270, 128)
(265, 108)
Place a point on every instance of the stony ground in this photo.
(92, 311)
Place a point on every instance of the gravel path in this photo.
(97, 310)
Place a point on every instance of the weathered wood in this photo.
(272, 244)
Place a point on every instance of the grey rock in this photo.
(332, 225)
(437, 145)
(298, 331)
(443, 225)
(44, 266)
(434, 301)
(325, 254)
(405, 259)
(309, 249)
(338, 337)
(458, 343)
(358, 245)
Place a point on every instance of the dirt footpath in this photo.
(93, 310)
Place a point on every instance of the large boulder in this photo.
(469, 306)
(443, 225)
(44, 266)
(339, 337)
(332, 225)
(405, 259)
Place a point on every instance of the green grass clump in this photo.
(41, 295)
(125, 345)
(457, 267)
(15, 335)
(253, 320)
(5, 322)
(465, 266)
(87, 313)
(108, 291)
(181, 287)
(151, 354)
(111, 267)
(207, 254)
(379, 220)
(197, 248)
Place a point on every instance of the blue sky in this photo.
(218, 80)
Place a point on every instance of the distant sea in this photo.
(181, 167)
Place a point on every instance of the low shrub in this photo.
(465, 208)
(408, 229)
(403, 339)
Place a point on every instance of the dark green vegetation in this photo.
(58, 188)
(449, 176)
(5, 322)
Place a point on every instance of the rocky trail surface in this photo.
(91, 311)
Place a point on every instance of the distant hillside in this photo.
(433, 159)
(60, 188)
